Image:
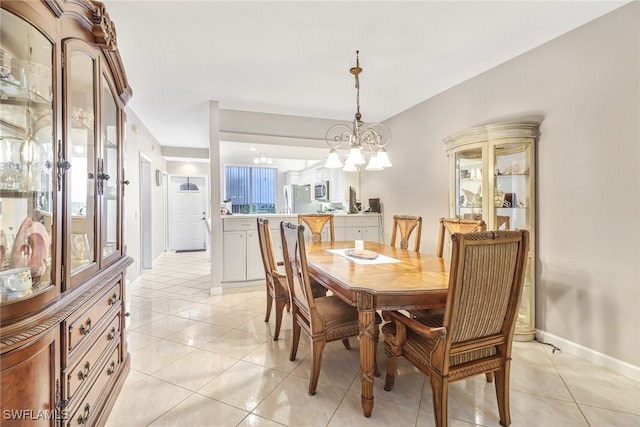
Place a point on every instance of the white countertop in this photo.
(293, 215)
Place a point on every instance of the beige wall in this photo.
(139, 141)
(585, 86)
(188, 168)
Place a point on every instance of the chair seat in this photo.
(419, 346)
(341, 320)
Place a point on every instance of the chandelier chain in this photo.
(356, 72)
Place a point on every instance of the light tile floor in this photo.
(201, 360)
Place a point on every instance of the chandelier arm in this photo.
(337, 135)
(374, 139)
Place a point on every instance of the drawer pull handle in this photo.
(82, 419)
(112, 368)
(86, 328)
(113, 299)
(82, 375)
(112, 334)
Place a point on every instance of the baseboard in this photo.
(247, 283)
(622, 368)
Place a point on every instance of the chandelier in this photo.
(360, 138)
(262, 159)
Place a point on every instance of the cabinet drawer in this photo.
(240, 224)
(85, 369)
(362, 221)
(339, 221)
(88, 408)
(81, 325)
(274, 222)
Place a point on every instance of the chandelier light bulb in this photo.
(383, 159)
(349, 167)
(262, 159)
(355, 156)
(374, 163)
(333, 161)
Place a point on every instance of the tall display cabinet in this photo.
(63, 355)
(492, 177)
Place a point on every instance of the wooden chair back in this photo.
(406, 224)
(485, 284)
(295, 263)
(316, 223)
(457, 225)
(277, 289)
(266, 247)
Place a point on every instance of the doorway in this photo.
(146, 255)
(188, 214)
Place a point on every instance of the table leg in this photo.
(367, 325)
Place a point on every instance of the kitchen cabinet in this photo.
(292, 178)
(339, 180)
(234, 256)
(351, 227)
(63, 92)
(492, 177)
(255, 270)
(361, 227)
(242, 260)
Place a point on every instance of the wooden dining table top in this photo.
(417, 281)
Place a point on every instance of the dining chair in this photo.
(316, 223)
(324, 319)
(406, 224)
(276, 282)
(474, 333)
(457, 225)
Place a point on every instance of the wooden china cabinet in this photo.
(63, 355)
(492, 177)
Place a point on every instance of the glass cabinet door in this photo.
(80, 182)
(512, 198)
(514, 210)
(108, 176)
(26, 161)
(469, 172)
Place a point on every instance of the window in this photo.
(250, 189)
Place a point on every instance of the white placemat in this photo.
(381, 259)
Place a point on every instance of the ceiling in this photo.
(293, 58)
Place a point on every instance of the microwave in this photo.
(321, 191)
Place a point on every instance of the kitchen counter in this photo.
(242, 261)
(295, 215)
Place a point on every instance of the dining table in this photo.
(381, 277)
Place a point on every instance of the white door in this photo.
(188, 213)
